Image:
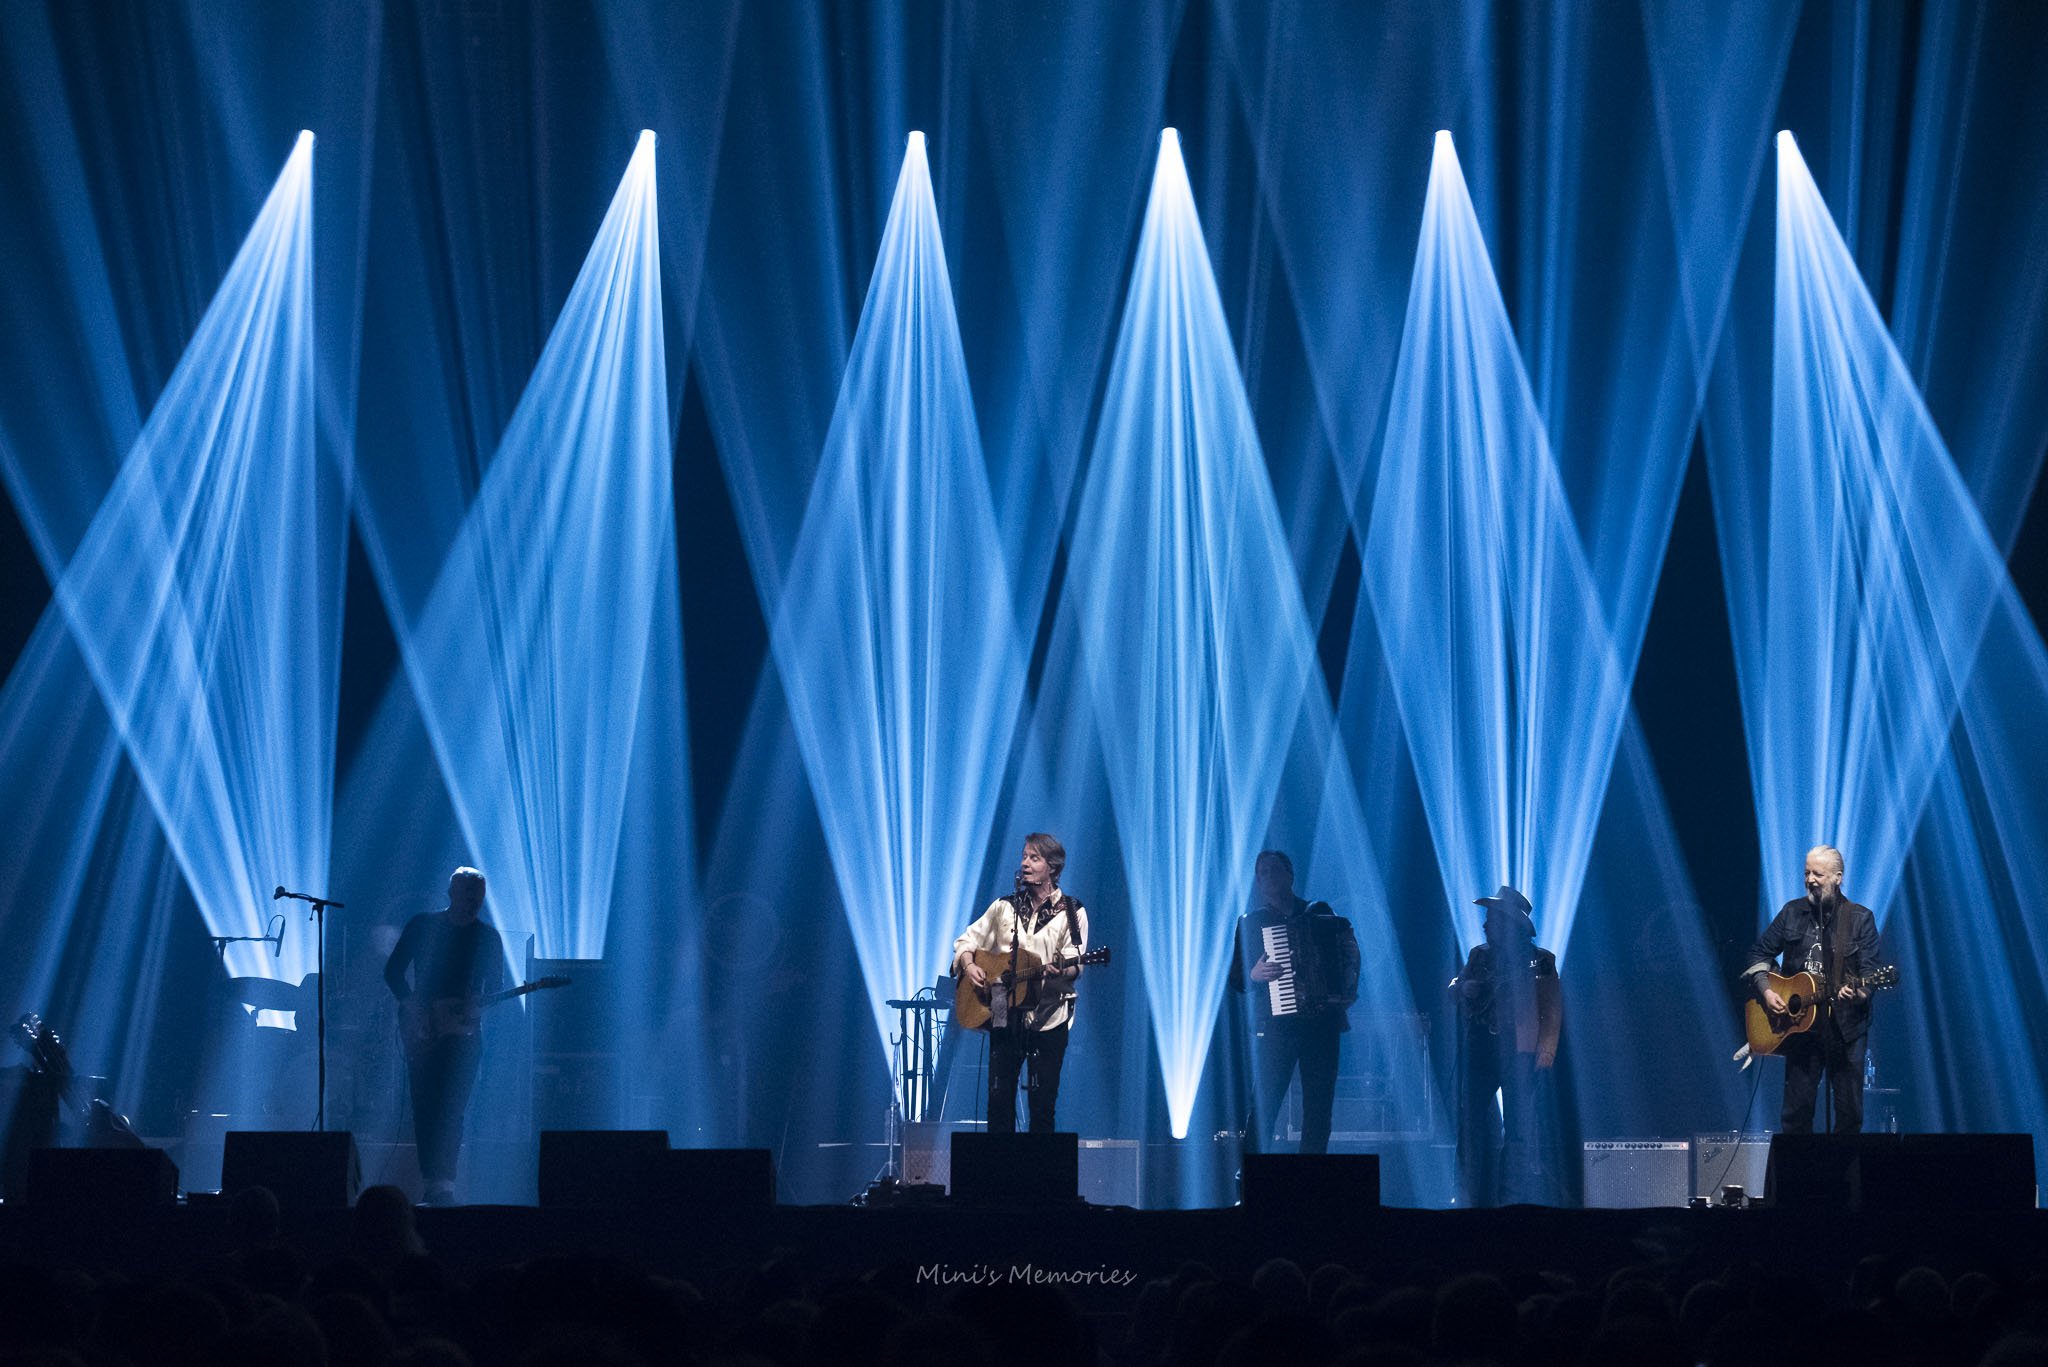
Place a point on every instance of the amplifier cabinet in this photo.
(1631, 1173)
(1728, 1159)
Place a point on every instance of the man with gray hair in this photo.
(1834, 939)
(455, 959)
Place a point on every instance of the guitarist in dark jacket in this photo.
(455, 959)
(1836, 940)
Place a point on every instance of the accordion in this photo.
(1293, 947)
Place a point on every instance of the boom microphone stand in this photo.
(317, 911)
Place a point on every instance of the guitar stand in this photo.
(916, 1051)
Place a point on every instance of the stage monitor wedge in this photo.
(317, 1170)
(1930, 1174)
(101, 1180)
(1310, 1186)
(1017, 1169)
(1937, 1174)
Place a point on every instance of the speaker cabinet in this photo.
(1626, 1174)
(101, 1179)
(928, 1151)
(1109, 1171)
(600, 1167)
(1310, 1184)
(1824, 1171)
(1016, 1169)
(1941, 1173)
(303, 1170)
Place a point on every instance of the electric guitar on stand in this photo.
(1803, 993)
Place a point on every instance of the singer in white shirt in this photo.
(1040, 919)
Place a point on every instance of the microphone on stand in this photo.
(327, 903)
(276, 935)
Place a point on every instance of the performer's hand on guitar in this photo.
(1774, 1002)
(972, 971)
(1265, 970)
(1848, 993)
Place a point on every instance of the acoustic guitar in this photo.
(422, 1023)
(970, 1003)
(1803, 993)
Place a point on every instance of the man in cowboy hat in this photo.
(1510, 1008)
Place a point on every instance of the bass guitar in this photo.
(970, 1003)
(1803, 993)
(423, 1023)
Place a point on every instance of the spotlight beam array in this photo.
(1195, 641)
(1892, 681)
(205, 596)
(1858, 616)
(896, 640)
(1510, 693)
(528, 651)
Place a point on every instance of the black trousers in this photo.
(1805, 1061)
(442, 1076)
(1278, 1049)
(1008, 1051)
(1500, 1156)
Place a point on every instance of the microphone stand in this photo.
(1012, 1022)
(274, 938)
(1827, 1008)
(317, 911)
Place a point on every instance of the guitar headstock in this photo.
(1094, 956)
(42, 1045)
(1888, 976)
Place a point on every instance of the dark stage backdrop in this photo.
(1620, 164)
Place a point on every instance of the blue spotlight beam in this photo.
(1860, 574)
(897, 642)
(528, 650)
(1510, 693)
(91, 895)
(1892, 681)
(205, 594)
(1195, 641)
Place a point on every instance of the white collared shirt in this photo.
(1049, 940)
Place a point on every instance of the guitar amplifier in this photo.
(928, 1151)
(1109, 1171)
(1632, 1173)
(1728, 1159)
